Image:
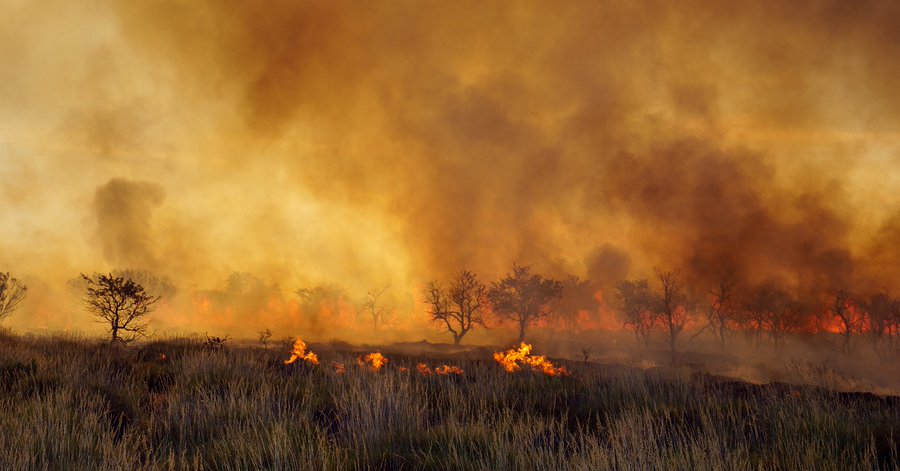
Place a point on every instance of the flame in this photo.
(423, 369)
(339, 368)
(163, 357)
(404, 369)
(299, 353)
(448, 370)
(374, 360)
(511, 358)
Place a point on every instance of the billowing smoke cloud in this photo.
(123, 210)
(389, 143)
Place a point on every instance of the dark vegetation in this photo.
(76, 404)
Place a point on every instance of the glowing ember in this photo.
(404, 369)
(373, 360)
(423, 369)
(163, 357)
(448, 370)
(339, 368)
(299, 353)
(511, 359)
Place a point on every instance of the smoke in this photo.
(390, 143)
(123, 211)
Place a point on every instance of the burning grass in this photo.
(511, 359)
(72, 404)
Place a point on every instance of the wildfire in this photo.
(511, 358)
(448, 370)
(445, 370)
(374, 360)
(339, 368)
(299, 353)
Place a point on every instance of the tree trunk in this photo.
(457, 338)
(522, 326)
(115, 334)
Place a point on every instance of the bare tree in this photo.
(523, 297)
(373, 306)
(638, 304)
(12, 292)
(880, 311)
(785, 314)
(761, 302)
(721, 313)
(848, 315)
(671, 312)
(264, 336)
(461, 307)
(121, 303)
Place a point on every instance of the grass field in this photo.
(68, 403)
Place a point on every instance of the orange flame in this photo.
(299, 353)
(374, 360)
(423, 369)
(404, 369)
(448, 370)
(511, 358)
(339, 368)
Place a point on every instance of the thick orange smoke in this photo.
(326, 142)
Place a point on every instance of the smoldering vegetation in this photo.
(180, 404)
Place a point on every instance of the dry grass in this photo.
(73, 404)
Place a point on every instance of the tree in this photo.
(848, 315)
(721, 313)
(120, 302)
(12, 292)
(787, 315)
(319, 300)
(523, 297)
(161, 286)
(577, 296)
(375, 307)
(638, 304)
(461, 307)
(264, 336)
(761, 302)
(880, 312)
(671, 311)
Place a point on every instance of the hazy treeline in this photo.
(668, 306)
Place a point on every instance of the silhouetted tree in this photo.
(460, 307)
(121, 303)
(880, 311)
(850, 320)
(156, 285)
(721, 312)
(671, 311)
(759, 306)
(315, 299)
(787, 315)
(264, 336)
(12, 292)
(523, 297)
(374, 307)
(638, 306)
(577, 297)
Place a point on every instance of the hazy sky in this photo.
(391, 142)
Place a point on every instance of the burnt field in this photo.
(69, 403)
